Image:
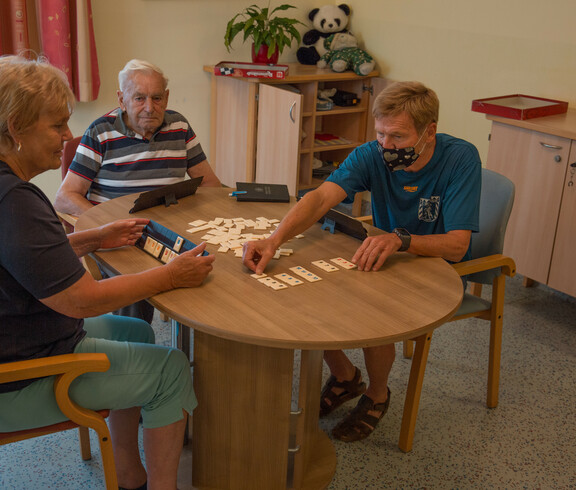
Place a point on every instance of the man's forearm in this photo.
(301, 217)
(71, 203)
(450, 246)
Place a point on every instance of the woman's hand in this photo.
(122, 232)
(189, 269)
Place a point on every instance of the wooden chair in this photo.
(66, 368)
(68, 220)
(487, 266)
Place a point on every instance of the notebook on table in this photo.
(255, 192)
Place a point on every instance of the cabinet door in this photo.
(536, 163)
(277, 153)
(232, 142)
(378, 84)
(563, 267)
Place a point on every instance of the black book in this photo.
(253, 191)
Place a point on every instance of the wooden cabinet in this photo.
(539, 156)
(264, 130)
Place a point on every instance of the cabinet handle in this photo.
(553, 147)
(292, 111)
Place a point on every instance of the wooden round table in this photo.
(247, 430)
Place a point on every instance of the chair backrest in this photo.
(496, 200)
(68, 154)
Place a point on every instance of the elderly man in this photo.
(137, 147)
(425, 192)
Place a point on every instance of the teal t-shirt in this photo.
(443, 196)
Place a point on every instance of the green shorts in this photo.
(141, 374)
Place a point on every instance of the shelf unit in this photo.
(263, 130)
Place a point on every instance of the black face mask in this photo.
(400, 158)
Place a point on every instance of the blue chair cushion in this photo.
(472, 304)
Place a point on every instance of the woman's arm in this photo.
(116, 234)
(88, 297)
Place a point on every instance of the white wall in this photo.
(180, 36)
(461, 48)
(466, 50)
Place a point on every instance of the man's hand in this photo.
(374, 251)
(122, 232)
(189, 269)
(257, 254)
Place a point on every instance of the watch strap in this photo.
(405, 237)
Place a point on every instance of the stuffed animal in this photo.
(343, 53)
(326, 20)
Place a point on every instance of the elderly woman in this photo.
(45, 293)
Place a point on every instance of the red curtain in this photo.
(61, 30)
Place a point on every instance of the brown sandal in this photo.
(330, 401)
(359, 424)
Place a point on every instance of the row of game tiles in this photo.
(159, 251)
(284, 280)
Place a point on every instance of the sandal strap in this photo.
(359, 424)
(348, 385)
(330, 401)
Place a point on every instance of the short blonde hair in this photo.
(413, 98)
(135, 66)
(28, 87)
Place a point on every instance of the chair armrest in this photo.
(66, 368)
(72, 364)
(91, 266)
(503, 262)
(365, 219)
(67, 218)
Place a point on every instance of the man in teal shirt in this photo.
(425, 190)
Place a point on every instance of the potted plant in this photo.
(270, 34)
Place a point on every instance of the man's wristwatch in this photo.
(405, 237)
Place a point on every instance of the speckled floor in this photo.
(529, 441)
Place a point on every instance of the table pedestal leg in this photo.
(315, 458)
(241, 434)
(241, 426)
(181, 337)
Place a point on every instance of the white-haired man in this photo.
(137, 147)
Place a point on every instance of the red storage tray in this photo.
(519, 106)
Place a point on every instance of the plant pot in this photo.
(262, 55)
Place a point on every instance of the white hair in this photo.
(135, 66)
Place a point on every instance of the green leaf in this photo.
(283, 7)
(231, 32)
(271, 49)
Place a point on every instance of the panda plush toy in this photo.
(326, 20)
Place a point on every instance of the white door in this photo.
(278, 147)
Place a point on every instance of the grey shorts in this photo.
(141, 374)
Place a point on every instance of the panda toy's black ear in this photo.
(345, 8)
(313, 13)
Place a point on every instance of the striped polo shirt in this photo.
(117, 161)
